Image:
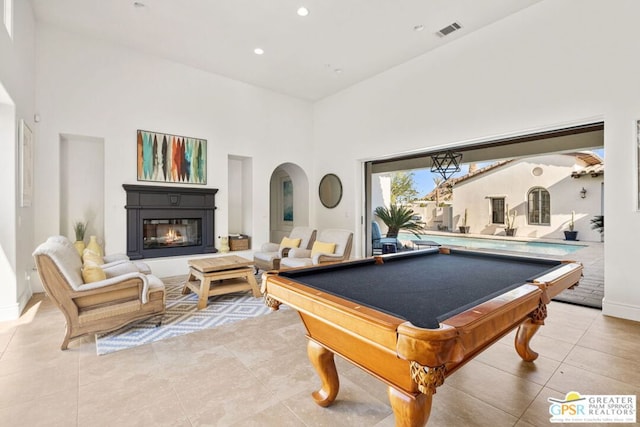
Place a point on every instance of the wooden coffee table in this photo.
(220, 275)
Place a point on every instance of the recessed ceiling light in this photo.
(303, 11)
(418, 27)
(338, 71)
(258, 51)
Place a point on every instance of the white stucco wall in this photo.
(553, 64)
(89, 88)
(514, 180)
(556, 63)
(17, 99)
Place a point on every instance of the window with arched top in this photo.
(539, 206)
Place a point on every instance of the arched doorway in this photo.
(288, 200)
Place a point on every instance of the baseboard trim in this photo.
(14, 310)
(10, 312)
(623, 311)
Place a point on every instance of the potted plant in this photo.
(571, 234)
(398, 218)
(79, 229)
(464, 228)
(510, 222)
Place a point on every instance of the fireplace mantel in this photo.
(146, 202)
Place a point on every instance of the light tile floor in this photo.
(256, 373)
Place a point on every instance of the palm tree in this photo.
(398, 218)
(597, 223)
(437, 181)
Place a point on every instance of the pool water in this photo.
(541, 248)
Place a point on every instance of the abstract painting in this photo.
(287, 200)
(171, 158)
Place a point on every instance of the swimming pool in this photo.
(541, 248)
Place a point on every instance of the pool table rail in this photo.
(469, 332)
(565, 276)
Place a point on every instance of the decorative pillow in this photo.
(90, 257)
(290, 243)
(322, 248)
(93, 273)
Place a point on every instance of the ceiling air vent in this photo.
(449, 29)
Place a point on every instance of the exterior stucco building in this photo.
(542, 192)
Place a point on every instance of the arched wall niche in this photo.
(288, 209)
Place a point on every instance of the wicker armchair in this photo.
(126, 295)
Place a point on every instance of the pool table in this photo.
(411, 319)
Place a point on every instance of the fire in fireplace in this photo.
(169, 221)
(163, 233)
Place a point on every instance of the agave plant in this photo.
(398, 218)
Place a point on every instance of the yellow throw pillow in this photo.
(322, 248)
(89, 256)
(93, 273)
(290, 243)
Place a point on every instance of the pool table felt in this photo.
(425, 288)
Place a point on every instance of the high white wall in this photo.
(17, 99)
(553, 64)
(86, 87)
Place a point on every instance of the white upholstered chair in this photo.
(270, 254)
(331, 245)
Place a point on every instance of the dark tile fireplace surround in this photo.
(169, 221)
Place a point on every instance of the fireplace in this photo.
(169, 221)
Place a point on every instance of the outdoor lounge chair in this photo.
(378, 242)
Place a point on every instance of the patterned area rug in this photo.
(182, 317)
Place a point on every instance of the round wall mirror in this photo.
(330, 190)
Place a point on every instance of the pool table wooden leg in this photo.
(271, 302)
(322, 360)
(527, 330)
(410, 412)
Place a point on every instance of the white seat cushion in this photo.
(266, 256)
(296, 262)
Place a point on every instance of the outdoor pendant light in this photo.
(446, 163)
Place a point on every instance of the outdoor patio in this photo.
(591, 289)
